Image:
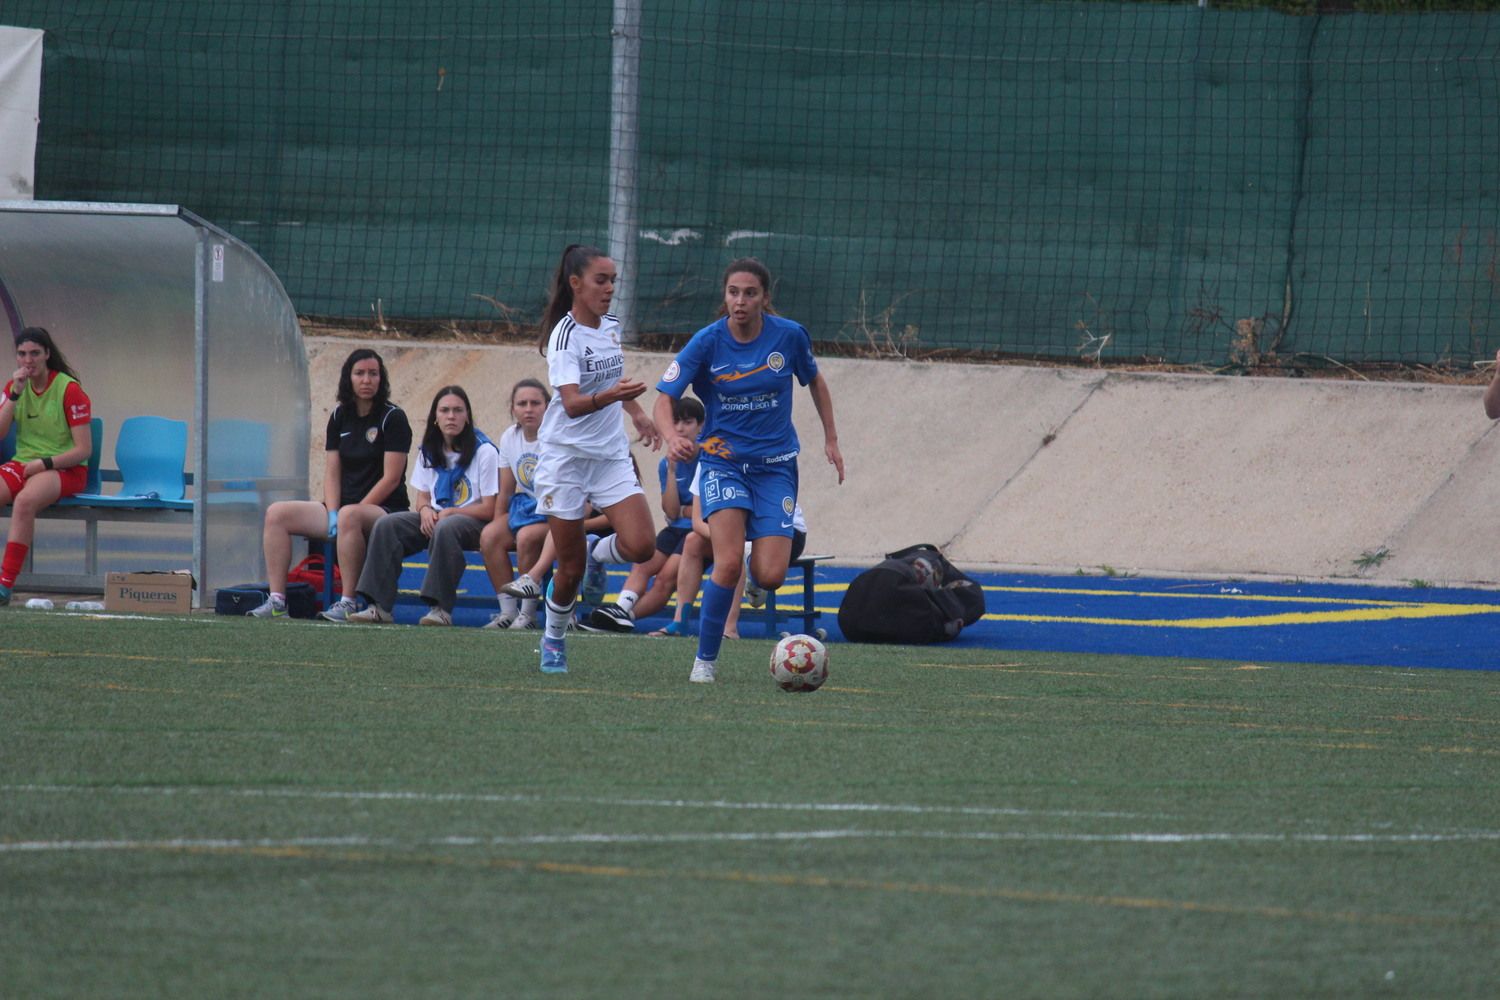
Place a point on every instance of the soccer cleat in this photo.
(703, 672)
(610, 618)
(754, 594)
(595, 582)
(505, 619)
(523, 587)
(4, 595)
(373, 615)
(435, 616)
(524, 623)
(554, 656)
(339, 610)
(272, 608)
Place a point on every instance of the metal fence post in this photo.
(624, 147)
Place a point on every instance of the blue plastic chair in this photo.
(150, 453)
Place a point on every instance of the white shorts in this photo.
(566, 484)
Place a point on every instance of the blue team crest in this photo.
(526, 470)
(670, 375)
(788, 505)
(462, 491)
(776, 361)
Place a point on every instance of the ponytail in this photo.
(575, 260)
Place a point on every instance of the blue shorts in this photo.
(523, 512)
(767, 490)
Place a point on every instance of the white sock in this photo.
(509, 605)
(528, 607)
(557, 620)
(608, 550)
(627, 600)
(277, 598)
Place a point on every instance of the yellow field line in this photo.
(796, 881)
(1370, 614)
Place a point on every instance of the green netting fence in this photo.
(1052, 179)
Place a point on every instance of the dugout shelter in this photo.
(163, 313)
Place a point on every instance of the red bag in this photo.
(310, 571)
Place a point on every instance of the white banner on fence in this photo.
(20, 109)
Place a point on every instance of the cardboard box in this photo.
(158, 593)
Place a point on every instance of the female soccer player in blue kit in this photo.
(741, 367)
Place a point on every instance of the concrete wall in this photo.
(1061, 470)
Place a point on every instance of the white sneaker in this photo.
(373, 615)
(524, 623)
(504, 619)
(703, 672)
(523, 587)
(271, 608)
(435, 616)
(339, 610)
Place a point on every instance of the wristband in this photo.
(47, 462)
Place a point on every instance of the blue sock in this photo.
(716, 601)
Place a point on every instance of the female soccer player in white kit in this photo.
(585, 450)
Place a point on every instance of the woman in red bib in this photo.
(51, 414)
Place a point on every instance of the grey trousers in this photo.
(398, 535)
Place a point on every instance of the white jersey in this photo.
(592, 360)
(520, 456)
(481, 479)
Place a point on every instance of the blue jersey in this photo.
(746, 389)
(684, 486)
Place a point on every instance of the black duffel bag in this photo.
(915, 596)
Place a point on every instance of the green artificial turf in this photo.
(223, 807)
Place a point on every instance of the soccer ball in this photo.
(799, 663)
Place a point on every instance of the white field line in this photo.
(436, 797)
(782, 836)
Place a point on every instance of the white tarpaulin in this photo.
(20, 105)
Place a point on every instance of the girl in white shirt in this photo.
(585, 450)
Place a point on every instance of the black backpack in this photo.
(915, 596)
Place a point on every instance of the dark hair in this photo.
(55, 360)
(575, 260)
(530, 383)
(750, 265)
(687, 408)
(346, 378)
(433, 445)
